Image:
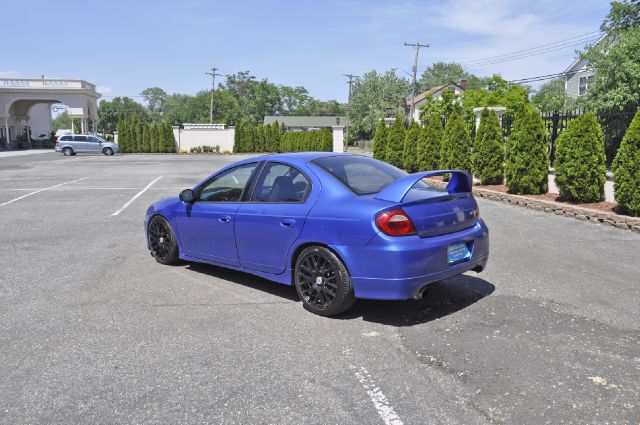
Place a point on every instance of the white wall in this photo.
(190, 138)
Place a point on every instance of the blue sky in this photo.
(126, 46)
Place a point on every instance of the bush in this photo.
(395, 144)
(527, 164)
(488, 150)
(455, 153)
(626, 170)
(429, 145)
(580, 161)
(205, 149)
(410, 153)
(380, 141)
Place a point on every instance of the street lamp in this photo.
(337, 121)
(387, 110)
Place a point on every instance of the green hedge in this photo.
(394, 148)
(626, 170)
(580, 165)
(380, 141)
(429, 145)
(135, 136)
(456, 145)
(273, 138)
(527, 162)
(488, 150)
(410, 152)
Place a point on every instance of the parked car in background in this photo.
(72, 144)
(336, 226)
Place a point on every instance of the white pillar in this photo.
(6, 131)
(73, 129)
(338, 138)
(82, 126)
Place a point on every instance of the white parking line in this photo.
(136, 196)
(40, 190)
(379, 400)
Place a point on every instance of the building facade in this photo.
(25, 105)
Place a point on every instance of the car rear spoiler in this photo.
(461, 181)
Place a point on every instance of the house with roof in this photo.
(436, 93)
(579, 76)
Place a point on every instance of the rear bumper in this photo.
(391, 268)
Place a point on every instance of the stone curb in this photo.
(574, 211)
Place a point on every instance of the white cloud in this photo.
(10, 74)
(103, 89)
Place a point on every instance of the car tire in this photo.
(67, 151)
(323, 282)
(162, 241)
(107, 151)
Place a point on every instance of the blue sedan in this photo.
(336, 226)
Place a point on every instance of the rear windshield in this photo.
(361, 174)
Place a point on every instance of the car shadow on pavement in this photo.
(439, 299)
(245, 279)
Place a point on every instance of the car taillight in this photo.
(395, 223)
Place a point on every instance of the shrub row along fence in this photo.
(522, 161)
(274, 138)
(143, 137)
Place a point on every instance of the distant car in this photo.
(85, 143)
(336, 226)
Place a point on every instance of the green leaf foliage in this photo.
(153, 138)
(626, 170)
(430, 145)
(395, 144)
(527, 161)
(580, 160)
(410, 153)
(488, 150)
(456, 145)
(380, 141)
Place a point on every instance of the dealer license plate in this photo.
(458, 252)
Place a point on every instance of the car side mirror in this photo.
(187, 196)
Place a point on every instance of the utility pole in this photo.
(346, 140)
(213, 88)
(417, 46)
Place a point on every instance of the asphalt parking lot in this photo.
(95, 331)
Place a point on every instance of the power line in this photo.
(417, 46)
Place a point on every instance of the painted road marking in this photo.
(40, 190)
(379, 400)
(136, 196)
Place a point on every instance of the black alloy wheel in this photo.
(323, 282)
(162, 241)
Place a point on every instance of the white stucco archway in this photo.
(19, 96)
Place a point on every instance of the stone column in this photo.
(338, 138)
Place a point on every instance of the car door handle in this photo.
(288, 223)
(224, 219)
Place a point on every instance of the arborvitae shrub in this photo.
(430, 145)
(169, 139)
(153, 138)
(146, 137)
(122, 137)
(527, 162)
(488, 150)
(456, 144)
(395, 143)
(380, 141)
(275, 137)
(327, 140)
(410, 153)
(238, 139)
(626, 170)
(580, 164)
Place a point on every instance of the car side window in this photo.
(92, 139)
(79, 138)
(280, 183)
(66, 138)
(227, 186)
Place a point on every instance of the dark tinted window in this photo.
(66, 138)
(228, 186)
(79, 138)
(93, 139)
(280, 183)
(361, 174)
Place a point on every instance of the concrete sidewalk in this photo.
(8, 154)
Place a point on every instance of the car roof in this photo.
(296, 157)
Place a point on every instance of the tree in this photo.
(488, 150)
(155, 97)
(456, 145)
(61, 121)
(153, 138)
(238, 139)
(497, 93)
(626, 170)
(372, 94)
(110, 112)
(122, 136)
(410, 153)
(168, 138)
(137, 134)
(623, 15)
(395, 143)
(441, 107)
(430, 145)
(527, 161)
(550, 96)
(275, 137)
(380, 141)
(442, 73)
(146, 138)
(580, 167)
(327, 140)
